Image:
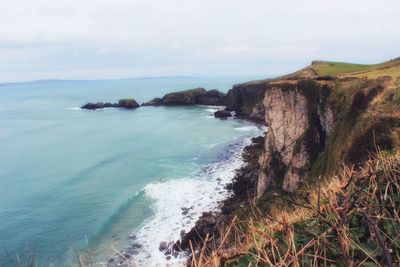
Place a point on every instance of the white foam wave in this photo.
(211, 110)
(74, 108)
(210, 146)
(217, 107)
(246, 129)
(178, 204)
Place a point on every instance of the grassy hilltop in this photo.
(342, 69)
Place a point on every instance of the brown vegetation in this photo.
(351, 219)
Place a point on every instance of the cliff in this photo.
(247, 100)
(320, 118)
(316, 123)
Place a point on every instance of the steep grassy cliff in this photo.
(321, 118)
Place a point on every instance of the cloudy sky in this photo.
(91, 39)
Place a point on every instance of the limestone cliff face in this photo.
(298, 120)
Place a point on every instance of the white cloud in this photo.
(127, 38)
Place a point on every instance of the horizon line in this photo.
(126, 79)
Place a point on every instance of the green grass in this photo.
(335, 68)
(373, 71)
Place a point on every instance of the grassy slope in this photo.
(389, 68)
(335, 68)
(359, 129)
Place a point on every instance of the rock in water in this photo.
(163, 246)
(222, 114)
(196, 96)
(188, 97)
(128, 103)
(93, 106)
(154, 102)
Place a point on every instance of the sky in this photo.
(96, 39)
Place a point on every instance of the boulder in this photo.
(222, 114)
(163, 246)
(128, 103)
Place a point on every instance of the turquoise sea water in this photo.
(77, 179)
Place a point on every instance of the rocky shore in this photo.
(211, 223)
(240, 103)
(243, 188)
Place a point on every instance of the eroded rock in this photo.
(222, 114)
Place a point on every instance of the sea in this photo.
(80, 185)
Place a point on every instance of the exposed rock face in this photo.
(211, 97)
(247, 100)
(298, 119)
(326, 117)
(128, 103)
(197, 96)
(286, 115)
(222, 114)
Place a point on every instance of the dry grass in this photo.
(393, 72)
(352, 220)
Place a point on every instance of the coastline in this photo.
(242, 188)
(236, 159)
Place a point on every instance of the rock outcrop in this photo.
(197, 96)
(298, 119)
(93, 106)
(127, 103)
(247, 100)
(222, 114)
